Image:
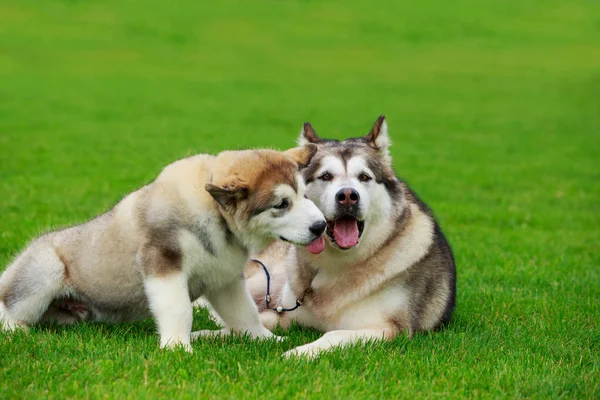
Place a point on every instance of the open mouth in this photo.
(345, 231)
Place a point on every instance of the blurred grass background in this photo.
(494, 111)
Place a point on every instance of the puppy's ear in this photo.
(378, 138)
(302, 155)
(307, 135)
(227, 196)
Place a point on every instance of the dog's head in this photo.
(262, 195)
(352, 182)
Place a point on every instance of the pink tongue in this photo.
(345, 232)
(317, 245)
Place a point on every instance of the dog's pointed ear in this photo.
(307, 135)
(303, 154)
(378, 138)
(227, 196)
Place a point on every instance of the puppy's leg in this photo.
(54, 315)
(170, 304)
(214, 317)
(67, 313)
(340, 338)
(29, 285)
(237, 310)
(167, 291)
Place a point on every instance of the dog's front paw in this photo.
(265, 334)
(262, 333)
(173, 345)
(271, 337)
(306, 351)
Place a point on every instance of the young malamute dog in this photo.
(186, 234)
(386, 268)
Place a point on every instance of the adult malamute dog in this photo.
(186, 234)
(386, 268)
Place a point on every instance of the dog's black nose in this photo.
(347, 197)
(318, 228)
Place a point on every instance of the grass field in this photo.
(494, 109)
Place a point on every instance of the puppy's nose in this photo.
(347, 197)
(318, 228)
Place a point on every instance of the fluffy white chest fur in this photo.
(373, 310)
(205, 270)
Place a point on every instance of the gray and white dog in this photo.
(386, 267)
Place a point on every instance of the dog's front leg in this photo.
(237, 310)
(339, 339)
(170, 304)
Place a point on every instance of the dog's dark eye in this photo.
(326, 177)
(282, 205)
(364, 178)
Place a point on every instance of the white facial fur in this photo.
(374, 201)
(293, 223)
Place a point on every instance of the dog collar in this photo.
(280, 309)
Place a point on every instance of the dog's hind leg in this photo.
(65, 313)
(29, 285)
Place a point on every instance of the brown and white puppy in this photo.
(187, 234)
(387, 266)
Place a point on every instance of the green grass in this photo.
(494, 109)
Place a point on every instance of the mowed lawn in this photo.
(494, 111)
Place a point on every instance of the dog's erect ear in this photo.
(307, 135)
(378, 137)
(227, 196)
(302, 155)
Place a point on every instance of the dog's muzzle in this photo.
(345, 231)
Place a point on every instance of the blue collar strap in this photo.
(279, 309)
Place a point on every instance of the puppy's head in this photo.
(351, 181)
(261, 194)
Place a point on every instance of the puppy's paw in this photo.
(177, 345)
(265, 334)
(271, 337)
